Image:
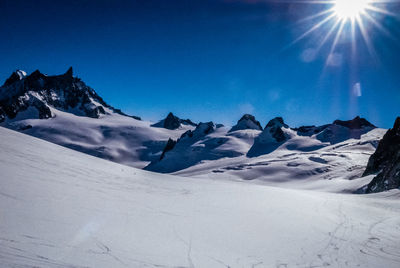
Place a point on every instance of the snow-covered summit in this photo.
(343, 130)
(274, 134)
(36, 94)
(247, 121)
(205, 142)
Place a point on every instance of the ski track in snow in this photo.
(61, 208)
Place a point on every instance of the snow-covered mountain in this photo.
(64, 110)
(297, 155)
(247, 121)
(32, 96)
(205, 142)
(275, 133)
(62, 208)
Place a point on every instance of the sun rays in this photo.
(353, 17)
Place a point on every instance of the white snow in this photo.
(114, 137)
(301, 162)
(62, 208)
(21, 74)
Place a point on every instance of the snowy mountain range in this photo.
(62, 109)
(240, 196)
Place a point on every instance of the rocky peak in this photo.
(18, 75)
(247, 121)
(63, 92)
(356, 123)
(274, 127)
(69, 72)
(276, 122)
(386, 162)
(173, 122)
(201, 130)
(270, 138)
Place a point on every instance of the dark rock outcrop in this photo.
(168, 147)
(356, 123)
(340, 130)
(201, 130)
(386, 162)
(309, 130)
(173, 122)
(15, 76)
(270, 139)
(274, 127)
(247, 121)
(40, 92)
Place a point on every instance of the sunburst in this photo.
(347, 14)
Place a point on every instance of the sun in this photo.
(350, 9)
(346, 20)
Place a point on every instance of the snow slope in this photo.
(64, 110)
(62, 208)
(115, 137)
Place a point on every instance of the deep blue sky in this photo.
(206, 60)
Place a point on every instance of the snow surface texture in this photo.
(64, 110)
(301, 162)
(275, 156)
(62, 208)
(113, 137)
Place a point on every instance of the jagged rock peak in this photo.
(270, 138)
(173, 122)
(205, 128)
(63, 92)
(356, 123)
(15, 76)
(69, 72)
(201, 130)
(276, 122)
(247, 121)
(386, 162)
(274, 127)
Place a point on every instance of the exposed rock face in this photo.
(309, 130)
(173, 122)
(247, 121)
(386, 161)
(274, 127)
(40, 92)
(15, 76)
(340, 130)
(201, 130)
(356, 123)
(192, 147)
(170, 145)
(271, 138)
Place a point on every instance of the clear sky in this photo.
(210, 60)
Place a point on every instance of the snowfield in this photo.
(114, 137)
(62, 208)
